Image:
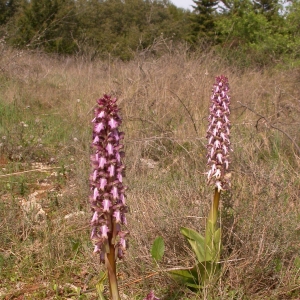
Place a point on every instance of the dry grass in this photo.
(164, 107)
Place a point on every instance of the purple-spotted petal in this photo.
(123, 219)
(112, 123)
(95, 174)
(120, 177)
(104, 231)
(106, 205)
(97, 248)
(103, 183)
(96, 194)
(110, 149)
(151, 296)
(111, 170)
(114, 192)
(122, 199)
(118, 156)
(94, 235)
(96, 140)
(219, 157)
(117, 216)
(101, 114)
(102, 162)
(123, 243)
(99, 127)
(95, 217)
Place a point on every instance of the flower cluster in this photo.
(107, 190)
(151, 296)
(218, 132)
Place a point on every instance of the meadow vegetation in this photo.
(248, 31)
(46, 108)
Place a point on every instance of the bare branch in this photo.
(271, 125)
(190, 115)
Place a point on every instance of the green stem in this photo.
(212, 233)
(111, 267)
(213, 214)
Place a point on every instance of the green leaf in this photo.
(193, 286)
(158, 248)
(188, 277)
(195, 277)
(182, 273)
(197, 243)
(213, 241)
(199, 250)
(218, 245)
(210, 228)
(192, 234)
(100, 285)
(206, 270)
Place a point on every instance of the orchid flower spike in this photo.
(107, 190)
(218, 147)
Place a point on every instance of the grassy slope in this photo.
(164, 107)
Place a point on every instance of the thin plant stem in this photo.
(111, 266)
(213, 214)
(212, 233)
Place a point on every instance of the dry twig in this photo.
(28, 171)
(271, 125)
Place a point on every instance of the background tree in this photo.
(120, 28)
(45, 24)
(203, 20)
(234, 7)
(292, 25)
(7, 9)
(267, 7)
(254, 29)
(248, 35)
